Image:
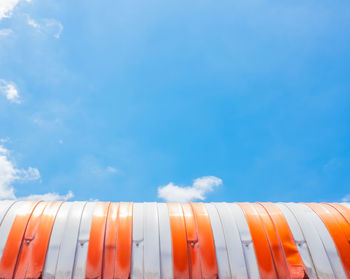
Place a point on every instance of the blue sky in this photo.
(112, 99)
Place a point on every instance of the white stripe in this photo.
(247, 241)
(55, 241)
(313, 240)
(299, 240)
(220, 242)
(233, 242)
(83, 241)
(166, 254)
(346, 204)
(328, 244)
(4, 208)
(66, 256)
(151, 242)
(8, 221)
(137, 242)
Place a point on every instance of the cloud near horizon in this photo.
(200, 187)
(9, 174)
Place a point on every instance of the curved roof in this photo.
(188, 240)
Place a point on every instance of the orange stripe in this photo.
(262, 247)
(295, 263)
(275, 243)
(338, 228)
(124, 241)
(14, 240)
(206, 242)
(96, 242)
(33, 254)
(192, 241)
(179, 241)
(110, 241)
(345, 212)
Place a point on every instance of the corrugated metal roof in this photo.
(188, 240)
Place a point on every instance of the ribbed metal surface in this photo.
(190, 240)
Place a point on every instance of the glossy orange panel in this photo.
(33, 254)
(124, 241)
(110, 241)
(275, 243)
(41, 242)
(179, 241)
(206, 241)
(192, 241)
(338, 228)
(262, 247)
(96, 242)
(296, 266)
(14, 241)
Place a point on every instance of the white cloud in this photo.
(6, 8)
(200, 187)
(9, 174)
(5, 32)
(49, 197)
(346, 198)
(111, 169)
(10, 91)
(50, 27)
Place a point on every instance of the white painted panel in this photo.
(166, 255)
(55, 241)
(220, 242)
(328, 244)
(233, 242)
(4, 208)
(299, 240)
(65, 263)
(247, 241)
(137, 242)
(83, 241)
(151, 242)
(313, 240)
(7, 223)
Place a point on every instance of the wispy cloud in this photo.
(9, 174)
(10, 91)
(346, 198)
(49, 197)
(5, 32)
(50, 27)
(200, 187)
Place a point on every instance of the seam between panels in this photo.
(322, 241)
(159, 242)
(104, 239)
(278, 238)
(77, 241)
(331, 232)
(223, 232)
(6, 211)
(319, 237)
(22, 238)
(240, 236)
(268, 241)
(249, 266)
(24, 232)
(285, 205)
